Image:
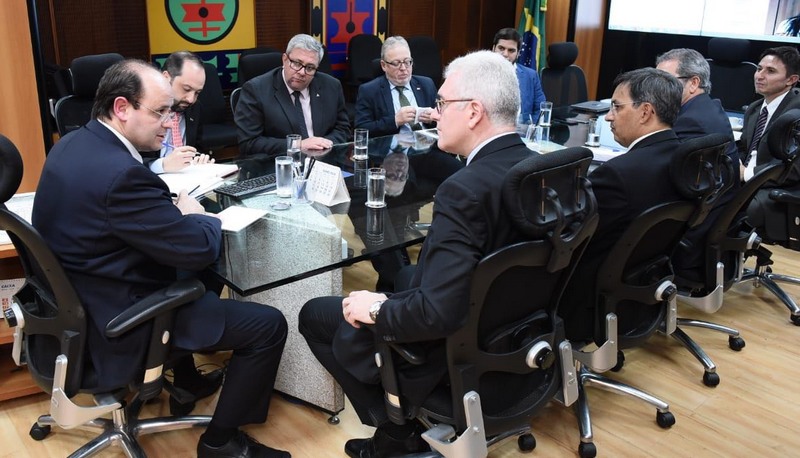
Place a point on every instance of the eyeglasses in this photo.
(440, 103)
(615, 105)
(397, 63)
(163, 116)
(297, 66)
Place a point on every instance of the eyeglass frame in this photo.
(408, 63)
(296, 65)
(441, 103)
(615, 105)
(163, 117)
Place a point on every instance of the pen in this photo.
(193, 190)
(171, 146)
(311, 163)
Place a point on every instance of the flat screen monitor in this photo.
(765, 20)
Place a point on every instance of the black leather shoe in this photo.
(381, 445)
(203, 387)
(241, 446)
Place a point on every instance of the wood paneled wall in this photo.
(20, 119)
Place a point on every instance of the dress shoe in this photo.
(240, 446)
(201, 387)
(381, 445)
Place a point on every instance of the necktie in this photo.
(405, 103)
(299, 114)
(177, 138)
(759, 132)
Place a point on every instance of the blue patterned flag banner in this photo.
(531, 27)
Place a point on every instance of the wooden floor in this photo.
(752, 412)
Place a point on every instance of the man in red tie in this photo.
(184, 70)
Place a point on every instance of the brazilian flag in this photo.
(531, 27)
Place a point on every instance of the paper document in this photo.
(22, 205)
(602, 153)
(198, 179)
(234, 219)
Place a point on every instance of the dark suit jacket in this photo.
(265, 113)
(113, 226)
(375, 110)
(792, 100)
(469, 222)
(193, 128)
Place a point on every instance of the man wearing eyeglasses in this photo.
(476, 117)
(120, 237)
(398, 101)
(293, 99)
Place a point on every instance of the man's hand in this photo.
(315, 143)
(405, 115)
(355, 307)
(425, 115)
(188, 205)
(179, 158)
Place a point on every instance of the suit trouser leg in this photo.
(319, 321)
(256, 333)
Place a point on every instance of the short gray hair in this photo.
(391, 42)
(489, 78)
(658, 88)
(690, 63)
(306, 42)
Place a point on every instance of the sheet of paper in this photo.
(22, 205)
(234, 219)
(198, 179)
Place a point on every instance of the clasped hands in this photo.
(408, 115)
(184, 156)
(355, 307)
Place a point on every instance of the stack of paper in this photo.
(198, 179)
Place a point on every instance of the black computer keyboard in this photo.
(249, 186)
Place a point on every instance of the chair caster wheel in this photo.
(38, 433)
(736, 343)
(620, 361)
(711, 379)
(526, 442)
(665, 419)
(587, 450)
(795, 319)
(333, 419)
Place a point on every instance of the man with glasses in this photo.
(399, 100)
(293, 99)
(120, 237)
(476, 114)
(507, 42)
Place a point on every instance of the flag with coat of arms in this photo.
(531, 28)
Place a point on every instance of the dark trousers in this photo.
(319, 321)
(256, 333)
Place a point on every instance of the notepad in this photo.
(198, 179)
(235, 218)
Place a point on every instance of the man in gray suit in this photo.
(293, 99)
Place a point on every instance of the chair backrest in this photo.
(55, 322)
(252, 65)
(235, 94)
(73, 111)
(516, 290)
(562, 82)
(731, 73)
(216, 131)
(361, 50)
(634, 281)
(427, 57)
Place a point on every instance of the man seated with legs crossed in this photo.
(476, 111)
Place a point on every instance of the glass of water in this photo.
(283, 176)
(376, 188)
(360, 142)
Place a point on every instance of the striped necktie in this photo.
(177, 137)
(759, 132)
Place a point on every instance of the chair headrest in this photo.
(87, 70)
(560, 55)
(252, 65)
(10, 168)
(782, 137)
(544, 191)
(699, 166)
(728, 49)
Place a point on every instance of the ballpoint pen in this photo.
(171, 146)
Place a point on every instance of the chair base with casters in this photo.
(588, 365)
(762, 275)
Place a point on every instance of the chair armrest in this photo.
(784, 196)
(407, 354)
(179, 293)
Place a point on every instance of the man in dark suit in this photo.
(777, 72)
(699, 115)
(185, 73)
(644, 106)
(507, 42)
(388, 105)
(129, 239)
(293, 99)
(476, 113)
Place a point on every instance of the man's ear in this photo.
(122, 108)
(476, 113)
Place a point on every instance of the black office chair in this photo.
(361, 50)
(731, 73)
(252, 65)
(563, 82)
(50, 336)
(510, 358)
(73, 111)
(216, 132)
(634, 293)
(427, 58)
(781, 225)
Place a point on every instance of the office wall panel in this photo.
(590, 20)
(411, 18)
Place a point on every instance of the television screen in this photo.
(766, 20)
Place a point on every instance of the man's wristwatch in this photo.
(374, 309)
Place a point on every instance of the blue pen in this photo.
(171, 146)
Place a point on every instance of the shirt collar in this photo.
(484, 143)
(125, 141)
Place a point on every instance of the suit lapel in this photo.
(316, 93)
(498, 144)
(386, 94)
(284, 99)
